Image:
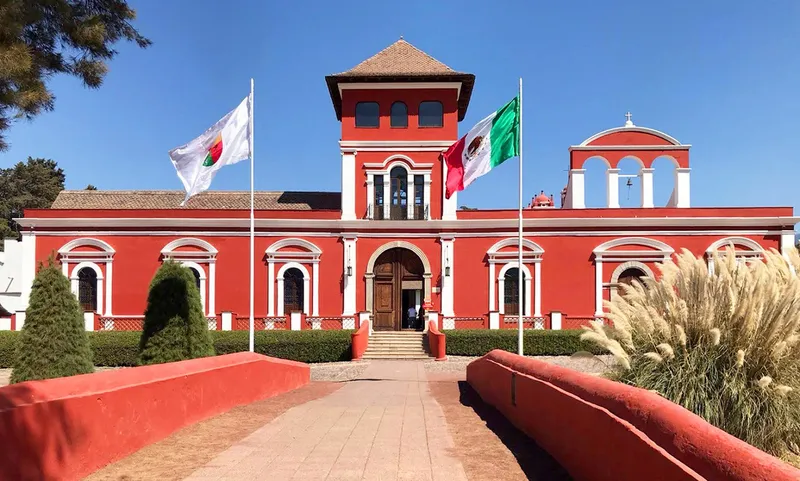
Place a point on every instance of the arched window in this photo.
(431, 114)
(628, 276)
(511, 294)
(293, 290)
(399, 115)
(367, 114)
(398, 193)
(87, 289)
(196, 278)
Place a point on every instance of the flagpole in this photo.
(252, 226)
(520, 299)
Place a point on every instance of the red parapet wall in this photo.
(67, 428)
(360, 339)
(599, 429)
(436, 342)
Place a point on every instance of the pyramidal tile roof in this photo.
(399, 59)
(401, 62)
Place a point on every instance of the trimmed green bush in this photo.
(175, 328)
(121, 348)
(477, 342)
(53, 341)
(304, 346)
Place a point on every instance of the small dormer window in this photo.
(367, 114)
(399, 115)
(431, 114)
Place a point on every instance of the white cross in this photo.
(628, 121)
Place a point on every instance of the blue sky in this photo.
(720, 75)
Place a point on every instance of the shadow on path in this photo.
(534, 461)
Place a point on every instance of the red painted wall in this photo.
(644, 435)
(66, 428)
(412, 98)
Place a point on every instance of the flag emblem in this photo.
(214, 153)
(475, 147)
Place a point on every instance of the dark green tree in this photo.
(53, 341)
(90, 187)
(33, 184)
(175, 327)
(41, 38)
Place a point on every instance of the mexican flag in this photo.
(488, 144)
(226, 142)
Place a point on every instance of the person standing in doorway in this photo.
(412, 317)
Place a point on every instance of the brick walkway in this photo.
(383, 426)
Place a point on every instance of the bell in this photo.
(630, 183)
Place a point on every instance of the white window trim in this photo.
(753, 250)
(622, 268)
(412, 169)
(68, 255)
(306, 281)
(293, 259)
(196, 259)
(658, 252)
(531, 254)
(75, 284)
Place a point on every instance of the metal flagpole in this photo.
(520, 300)
(252, 226)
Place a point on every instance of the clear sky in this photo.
(718, 74)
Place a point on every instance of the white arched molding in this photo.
(501, 286)
(369, 274)
(624, 267)
(197, 259)
(68, 254)
(306, 281)
(412, 168)
(74, 281)
(655, 251)
(743, 248)
(531, 254)
(310, 255)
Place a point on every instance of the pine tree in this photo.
(53, 341)
(175, 327)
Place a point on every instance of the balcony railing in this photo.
(419, 212)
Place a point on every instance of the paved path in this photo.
(383, 426)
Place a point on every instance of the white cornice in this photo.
(154, 223)
(400, 86)
(629, 147)
(395, 145)
(632, 128)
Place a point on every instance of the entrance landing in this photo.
(383, 425)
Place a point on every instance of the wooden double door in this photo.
(396, 270)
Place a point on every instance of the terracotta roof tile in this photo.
(171, 199)
(400, 59)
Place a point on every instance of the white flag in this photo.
(226, 142)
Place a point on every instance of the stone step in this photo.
(395, 356)
(396, 350)
(396, 341)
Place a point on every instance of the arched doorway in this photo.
(399, 286)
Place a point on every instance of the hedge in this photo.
(477, 342)
(121, 348)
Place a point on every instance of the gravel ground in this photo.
(337, 371)
(591, 366)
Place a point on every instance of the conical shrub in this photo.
(175, 328)
(53, 341)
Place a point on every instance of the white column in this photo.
(315, 289)
(212, 288)
(447, 281)
(349, 307)
(577, 198)
(598, 287)
(65, 268)
(555, 321)
(203, 296)
(426, 197)
(28, 268)
(527, 308)
(646, 177)
(280, 297)
(270, 287)
(371, 196)
(100, 294)
(612, 188)
(491, 287)
(494, 320)
(348, 185)
(682, 187)
(410, 196)
(387, 202)
(417, 299)
(109, 278)
(294, 321)
(501, 290)
(88, 321)
(450, 205)
(306, 284)
(227, 321)
(537, 286)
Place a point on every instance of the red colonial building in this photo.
(389, 240)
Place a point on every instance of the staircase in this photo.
(397, 345)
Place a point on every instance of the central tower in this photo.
(399, 110)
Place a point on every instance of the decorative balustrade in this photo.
(528, 322)
(332, 323)
(576, 322)
(242, 323)
(477, 322)
(136, 323)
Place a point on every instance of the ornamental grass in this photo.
(723, 342)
